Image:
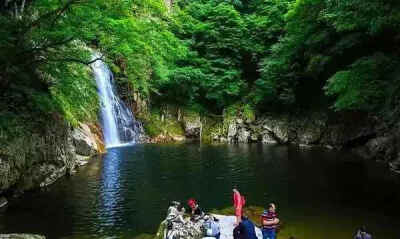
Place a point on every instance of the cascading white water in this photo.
(119, 125)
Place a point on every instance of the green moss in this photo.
(211, 126)
(154, 126)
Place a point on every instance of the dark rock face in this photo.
(40, 160)
(84, 141)
(365, 135)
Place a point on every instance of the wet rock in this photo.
(223, 139)
(395, 165)
(3, 202)
(278, 129)
(84, 141)
(381, 147)
(192, 126)
(21, 236)
(178, 138)
(9, 174)
(267, 138)
(243, 135)
(254, 137)
(232, 131)
(81, 160)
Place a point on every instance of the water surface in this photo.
(320, 194)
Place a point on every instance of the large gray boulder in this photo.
(84, 141)
(192, 126)
(232, 131)
(243, 135)
(277, 128)
(21, 236)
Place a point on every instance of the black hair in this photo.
(174, 203)
(362, 229)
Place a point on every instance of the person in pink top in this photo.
(238, 204)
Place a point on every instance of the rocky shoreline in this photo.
(42, 159)
(367, 136)
(63, 149)
(364, 135)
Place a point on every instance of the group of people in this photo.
(245, 229)
(201, 224)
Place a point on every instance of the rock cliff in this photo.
(40, 159)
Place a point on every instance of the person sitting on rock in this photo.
(211, 226)
(269, 222)
(196, 212)
(175, 212)
(245, 229)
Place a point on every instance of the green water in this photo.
(320, 194)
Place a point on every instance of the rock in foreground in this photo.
(21, 236)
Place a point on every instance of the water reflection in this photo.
(320, 194)
(110, 190)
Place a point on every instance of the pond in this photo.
(320, 194)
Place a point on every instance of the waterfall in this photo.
(119, 125)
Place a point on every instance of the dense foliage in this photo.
(206, 55)
(47, 45)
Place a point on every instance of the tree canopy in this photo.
(207, 54)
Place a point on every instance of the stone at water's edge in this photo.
(21, 236)
(84, 141)
(192, 126)
(226, 224)
(3, 202)
(39, 160)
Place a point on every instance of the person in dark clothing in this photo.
(245, 230)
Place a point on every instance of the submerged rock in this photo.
(21, 236)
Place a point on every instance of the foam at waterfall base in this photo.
(120, 145)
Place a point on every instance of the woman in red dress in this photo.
(238, 204)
